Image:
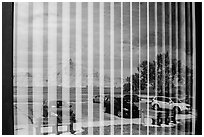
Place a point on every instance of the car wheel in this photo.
(156, 107)
(177, 110)
(119, 114)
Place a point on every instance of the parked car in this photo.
(135, 99)
(57, 108)
(117, 107)
(170, 103)
(99, 98)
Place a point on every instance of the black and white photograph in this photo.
(103, 68)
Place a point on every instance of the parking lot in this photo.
(23, 120)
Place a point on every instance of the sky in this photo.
(30, 33)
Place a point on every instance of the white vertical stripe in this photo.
(163, 45)
(15, 63)
(148, 66)
(121, 48)
(170, 52)
(131, 65)
(52, 55)
(22, 64)
(139, 67)
(112, 63)
(101, 67)
(90, 67)
(163, 54)
(183, 49)
(78, 61)
(65, 56)
(156, 43)
(37, 61)
(194, 65)
(176, 29)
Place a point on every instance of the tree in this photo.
(135, 85)
(165, 75)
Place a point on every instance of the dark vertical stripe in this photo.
(96, 43)
(188, 57)
(30, 67)
(188, 45)
(198, 97)
(72, 52)
(59, 51)
(45, 53)
(85, 52)
(7, 69)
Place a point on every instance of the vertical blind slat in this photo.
(78, 61)
(22, 66)
(90, 67)
(121, 59)
(194, 66)
(65, 58)
(131, 67)
(37, 63)
(101, 50)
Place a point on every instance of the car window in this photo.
(160, 99)
(175, 100)
(166, 100)
(127, 97)
(107, 99)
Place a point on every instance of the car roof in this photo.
(167, 97)
(161, 97)
(130, 94)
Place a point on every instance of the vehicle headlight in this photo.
(125, 109)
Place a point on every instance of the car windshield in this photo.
(175, 100)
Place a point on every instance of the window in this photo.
(73, 52)
(160, 99)
(167, 100)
